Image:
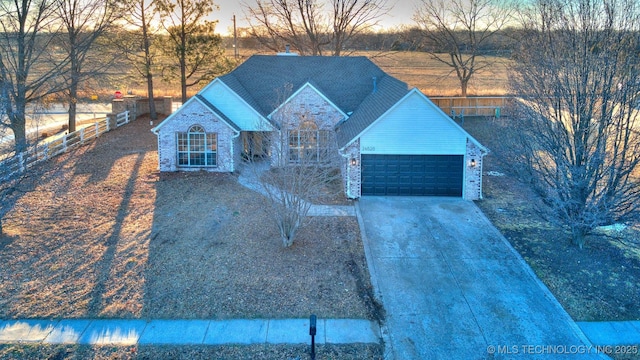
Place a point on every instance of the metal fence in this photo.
(19, 163)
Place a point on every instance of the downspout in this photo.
(481, 165)
(237, 133)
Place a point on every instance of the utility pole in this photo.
(235, 38)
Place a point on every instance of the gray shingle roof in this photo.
(264, 82)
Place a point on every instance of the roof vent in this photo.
(375, 84)
(287, 51)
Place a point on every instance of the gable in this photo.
(234, 107)
(308, 101)
(193, 112)
(414, 126)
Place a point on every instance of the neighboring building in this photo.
(392, 140)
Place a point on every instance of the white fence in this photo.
(19, 163)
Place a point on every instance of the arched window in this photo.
(307, 144)
(197, 148)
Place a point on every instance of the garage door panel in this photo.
(412, 175)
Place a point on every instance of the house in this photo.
(392, 140)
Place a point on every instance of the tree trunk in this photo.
(73, 105)
(578, 234)
(464, 84)
(183, 59)
(152, 104)
(75, 79)
(289, 224)
(147, 60)
(183, 77)
(18, 125)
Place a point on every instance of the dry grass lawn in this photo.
(597, 283)
(103, 234)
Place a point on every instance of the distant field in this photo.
(415, 68)
(436, 79)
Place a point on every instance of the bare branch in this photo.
(312, 27)
(30, 66)
(304, 165)
(455, 32)
(580, 116)
(84, 22)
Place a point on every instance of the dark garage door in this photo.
(412, 175)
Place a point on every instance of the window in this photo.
(308, 144)
(197, 148)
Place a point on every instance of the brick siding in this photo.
(473, 174)
(194, 113)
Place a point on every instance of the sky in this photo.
(400, 13)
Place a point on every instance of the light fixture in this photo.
(473, 162)
(354, 162)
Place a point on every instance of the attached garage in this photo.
(414, 149)
(412, 175)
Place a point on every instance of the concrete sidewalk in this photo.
(187, 332)
(611, 333)
(249, 174)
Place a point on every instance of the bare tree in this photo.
(460, 28)
(578, 128)
(304, 166)
(193, 42)
(30, 66)
(84, 21)
(310, 28)
(137, 46)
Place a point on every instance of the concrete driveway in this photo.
(453, 287)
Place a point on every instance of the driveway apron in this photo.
(453, 287)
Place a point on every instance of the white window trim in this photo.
(197, 133)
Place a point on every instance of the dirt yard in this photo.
(597, 283)
(103, 234)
